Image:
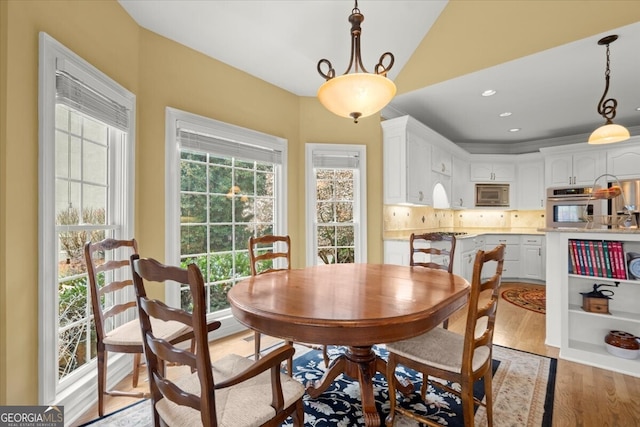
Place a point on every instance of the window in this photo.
(336, 200)
(224, 184)
(86, 192)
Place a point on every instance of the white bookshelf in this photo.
(580, 334)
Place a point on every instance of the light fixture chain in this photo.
(607, 107)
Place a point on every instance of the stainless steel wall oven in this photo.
(567, 207)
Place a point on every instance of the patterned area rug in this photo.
(533, 299)
(523, 386)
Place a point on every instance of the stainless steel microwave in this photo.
(490, 195)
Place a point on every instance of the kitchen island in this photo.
(579, 333)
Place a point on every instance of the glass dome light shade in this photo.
(357, 94)
(608, 134)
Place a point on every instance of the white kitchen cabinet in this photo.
(406, 154)
(574, 169)
(531, 189)
(396, 252)
(465, 255)
(624, 162)
(492, 172)
(580, 334)
(461, 186)
(532, 255)
(511, 267)
(441, 160)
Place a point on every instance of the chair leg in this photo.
(298, 415)
(467, 402)
(256, 341)
(290, 361)
(102, 376)
(136, 369)
(424, 386)
(488, 392)
(445, 324)
(325, 356)
(391, 379)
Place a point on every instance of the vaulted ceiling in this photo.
(541, 58)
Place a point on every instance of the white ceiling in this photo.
(552, 95)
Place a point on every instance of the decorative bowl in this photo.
(622, 344)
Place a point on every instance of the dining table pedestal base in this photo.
(358, 362)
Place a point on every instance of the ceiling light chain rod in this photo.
(355, 58)
(607, 108)
(610, 132)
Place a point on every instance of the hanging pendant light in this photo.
(357, 94)
(609, 132)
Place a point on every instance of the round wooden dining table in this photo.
(354, 305)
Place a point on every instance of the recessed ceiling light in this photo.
(638, 109)
(489, 92)
(505, 114)
(514, 130)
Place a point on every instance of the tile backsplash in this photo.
(398, 217)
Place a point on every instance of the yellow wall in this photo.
(161, 73)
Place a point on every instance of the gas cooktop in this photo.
(452, 233)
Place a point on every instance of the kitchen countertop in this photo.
(591, 230)
(471, 232)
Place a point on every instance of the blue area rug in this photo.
(523, 385)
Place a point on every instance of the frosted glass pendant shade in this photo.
(356, 95)
(608, 134)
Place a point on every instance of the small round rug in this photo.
(529, 298)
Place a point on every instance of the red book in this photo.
(618, 256)
(581, 257)
(573, 264)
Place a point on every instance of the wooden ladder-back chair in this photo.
(433, 250)
(264, 254)
(463, 359)
(112, 294)
(234, 391)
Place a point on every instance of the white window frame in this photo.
(79, 393)
(227, 132)
(360, 197)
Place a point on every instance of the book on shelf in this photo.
(598, 258)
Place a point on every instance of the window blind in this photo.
(334, 160)
(80, 97)
(238, 150)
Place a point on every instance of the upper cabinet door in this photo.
(559, 170)
(531, 194)
(418, 180)
(461, 187)
(405, 156)
(574, 169)
(492, 172)
(588, 166)
(441, 160)
(624, 162)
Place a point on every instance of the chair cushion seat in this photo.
(131, 333)
(439, 348)
(245, 404)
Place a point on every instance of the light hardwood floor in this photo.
(584, 396)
